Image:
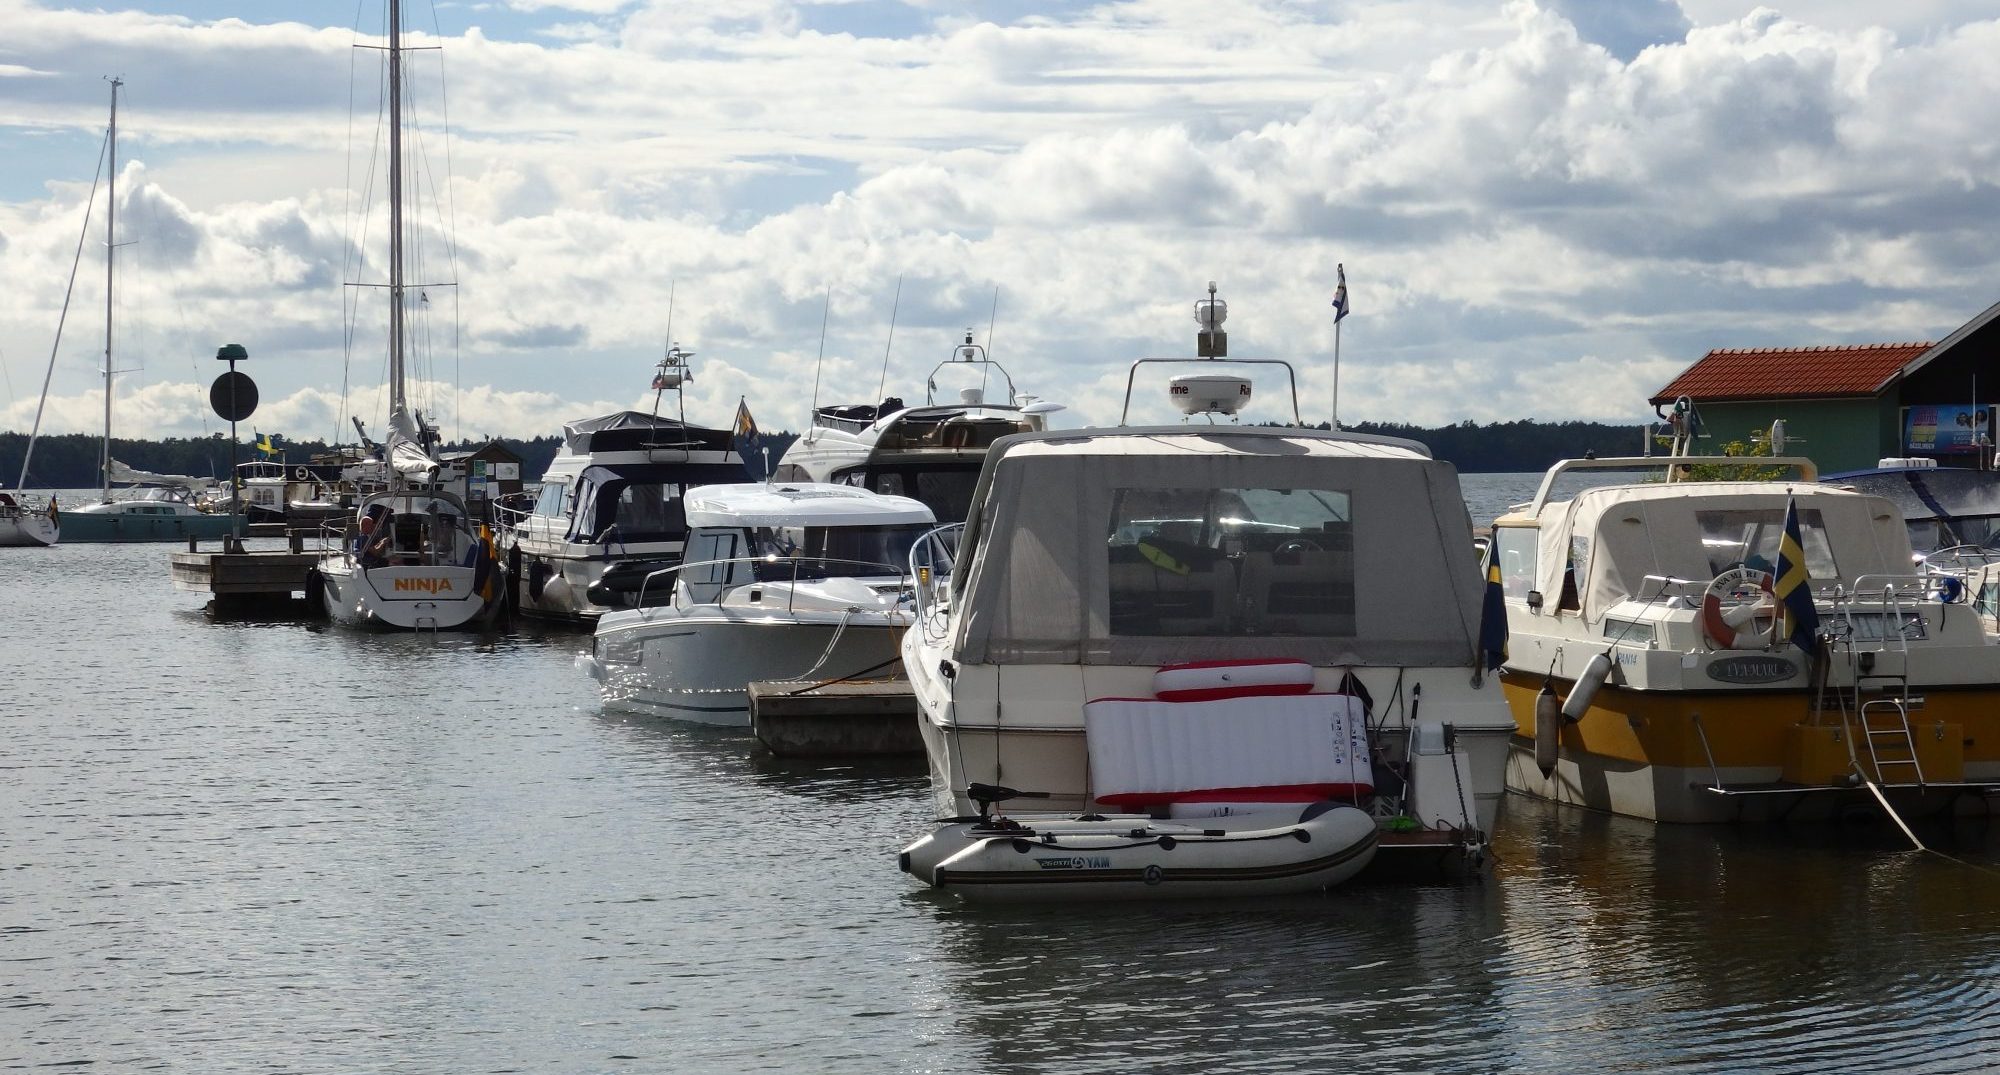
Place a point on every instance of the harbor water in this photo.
(276, 846)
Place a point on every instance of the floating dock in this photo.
(238, 578)
(865, 718)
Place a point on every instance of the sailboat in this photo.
(409, 557)
(167, 511)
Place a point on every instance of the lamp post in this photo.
(234, 397)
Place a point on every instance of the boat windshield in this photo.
(947, 491)
(819, 552)
(1750, 538)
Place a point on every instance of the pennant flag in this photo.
(1798, 619)
(748, 440)
(1340, 295)
(1493, 610)
(660, 381)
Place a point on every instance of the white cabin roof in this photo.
(800, 504)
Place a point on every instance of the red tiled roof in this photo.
(1788, 372)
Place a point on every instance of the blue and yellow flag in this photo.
(748, 440)
(1493, 610)
(266, 445)
(1799, 620)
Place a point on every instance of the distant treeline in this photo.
(70, 462)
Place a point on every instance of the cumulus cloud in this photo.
(1545, 211)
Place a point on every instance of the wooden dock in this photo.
(867, 718)
(240, 578)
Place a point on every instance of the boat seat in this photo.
(1299, 592)
(1191, 757)
(1160, 586)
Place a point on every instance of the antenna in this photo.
(826, 311)
(894, 307)
(992, 314)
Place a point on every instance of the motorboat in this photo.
(611, 508)
(799, 582)
(1952, 513)
(932, 452)
(298, 494)
(409, 556)
(29, 523)
(1255, 651)
(1709, 651)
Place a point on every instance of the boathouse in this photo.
(1848, 406)
(482, 476)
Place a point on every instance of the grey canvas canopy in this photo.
(1035, 582)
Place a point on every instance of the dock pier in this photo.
(243, 580)
(875, 718)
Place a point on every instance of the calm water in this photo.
(287, 848)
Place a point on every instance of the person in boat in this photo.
(369, 549)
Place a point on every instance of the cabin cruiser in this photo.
(611, 507)
(301, 494)
(1952, 513)
(27, 523)
(786, 581)
(1225, 660)
(1706, 651)
(932, 452)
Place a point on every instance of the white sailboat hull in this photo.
(33, 530)
(412, 597)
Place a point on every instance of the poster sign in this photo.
(509, 472)
(1943, 428)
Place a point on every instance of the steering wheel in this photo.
(1299, 544)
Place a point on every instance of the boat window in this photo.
(1518, 550)
(1231, 562)
(550, 502)
(1988, 600)
(816, 552)
(1750, 537)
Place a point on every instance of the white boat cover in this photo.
(1145, 751)
(1037, 590)
(119, 472)
(1622, 533)
(407, 456)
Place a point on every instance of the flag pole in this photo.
(1335, 426)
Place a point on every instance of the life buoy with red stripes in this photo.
(1746, 621)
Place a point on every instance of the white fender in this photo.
(1593, 677)
(1548, 729)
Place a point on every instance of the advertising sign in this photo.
(1943, 428)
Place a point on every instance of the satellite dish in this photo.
(1777, 436)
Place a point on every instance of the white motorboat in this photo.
(787, 581)
(1205, 622)
(933, 452)
(1738, 650)
(409, 557)
(611, 509)
(26, 523)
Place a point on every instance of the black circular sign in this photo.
(234, 396)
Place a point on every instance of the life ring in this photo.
(302, 474)
(1747, 589)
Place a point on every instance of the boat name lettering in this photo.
(1075, 862)
(1752, 670)
(426, 585)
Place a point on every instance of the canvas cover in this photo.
(1036, 589)
(1623, 533)
(632, 431)
(406, 452)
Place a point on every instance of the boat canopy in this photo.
(643, 500)
(1614, 536)
(800, 504)
(1167, 545)
(1942, 506)
(631, 431)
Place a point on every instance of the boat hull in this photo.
(1710, 757)
(410, 598)
(32, 530)
(82, 527)
(698, 668)
(1270, 853)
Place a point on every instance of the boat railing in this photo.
(763, 567)
(508, 517)
(931, 559)
(1808, 470)
(1881, 609)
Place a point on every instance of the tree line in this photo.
(70, 461)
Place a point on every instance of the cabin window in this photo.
(647, 511)
(831, 551)
(550, 500)
(1231, 562)
(1750, 538)
(1517, 546)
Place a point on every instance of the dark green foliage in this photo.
(1514, 447)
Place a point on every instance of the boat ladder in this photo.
(1879, 673)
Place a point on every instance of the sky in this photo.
(1545, 208)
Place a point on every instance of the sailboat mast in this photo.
(110, 259)
(396, 402)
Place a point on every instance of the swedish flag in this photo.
(266, 446)
(1493, 610)
(1793, 588)
(748, 440)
